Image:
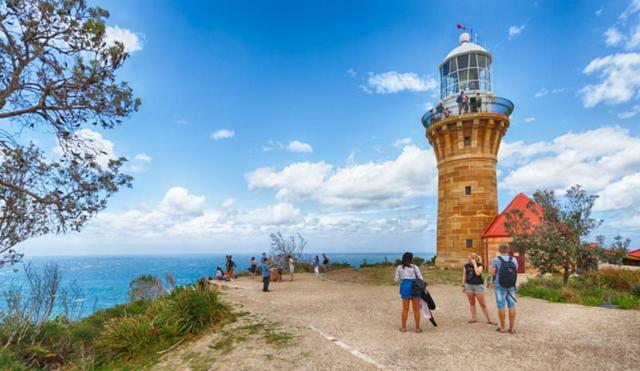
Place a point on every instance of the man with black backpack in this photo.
(504, 270)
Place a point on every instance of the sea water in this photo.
(104, 280)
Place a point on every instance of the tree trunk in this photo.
(565, 278)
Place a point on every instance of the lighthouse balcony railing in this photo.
(497, 105)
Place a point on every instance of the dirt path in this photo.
(354, 326)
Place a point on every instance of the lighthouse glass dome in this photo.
(466, 68)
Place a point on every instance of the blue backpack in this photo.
(508, 273)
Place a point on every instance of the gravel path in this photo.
(361, 322)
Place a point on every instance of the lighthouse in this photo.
(465, 130)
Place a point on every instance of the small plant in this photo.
(636, 290)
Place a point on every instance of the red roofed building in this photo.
(496, 232)
(633, 258)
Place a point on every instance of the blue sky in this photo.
(260, 116)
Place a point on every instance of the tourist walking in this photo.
(325, 263)
(473, 286)
(504, 270)
(465, 104)
(406, 274)
(253, 267)
(292, 266)
(316, 265)
(266, 274)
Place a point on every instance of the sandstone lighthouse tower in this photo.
(465, 138)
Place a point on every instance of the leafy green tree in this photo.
(57, 75)
(555, 245)
(617, 251)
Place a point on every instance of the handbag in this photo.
(418, 286)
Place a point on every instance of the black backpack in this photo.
(508, 273)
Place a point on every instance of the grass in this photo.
(592, 289)
(383, 275)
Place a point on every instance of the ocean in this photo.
(104, 280)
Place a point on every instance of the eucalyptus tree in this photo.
(58, 76)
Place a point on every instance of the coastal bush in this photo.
(146, 287)
(591, 289)
(617, 279)
(8, 361)
(416, 260)
(190, 309)
(130, 333)
(636, 290)
(125, 337)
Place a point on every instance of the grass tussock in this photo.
(591, 289)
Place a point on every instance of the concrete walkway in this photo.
(362, 321)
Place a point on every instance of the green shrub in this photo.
(125, 337)
(8, 362)
(190, 309)
(636, 290)
(626, 301)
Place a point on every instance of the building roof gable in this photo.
(497, 228)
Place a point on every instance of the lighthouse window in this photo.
(463, 61)
(453, 66)
(469, 244)
(473, 85)
(472, 60)
(467, 190)
(482, 60)
(467, 141)
(473, 73)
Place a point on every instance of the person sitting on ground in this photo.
(473, 286)
(253, 267)
(504, 270)
(459, 100)
(219, 274)
(406, 273)
(292, 266)
(266, 274)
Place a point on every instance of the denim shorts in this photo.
(473, 289)
(505, 296)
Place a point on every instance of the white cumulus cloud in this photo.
(223, 134)
(604, 160)
(131, 40)
(299, 147)
(412, 174)
(394, 82)
(619, 76)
